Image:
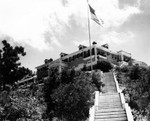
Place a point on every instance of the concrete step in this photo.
(116, 97)
(110, 113)
(109, 102)
(117, 105)
(108, 94)
(109, 98)
(113, 119)
(119, 115)
(109, 110)
(109, 107)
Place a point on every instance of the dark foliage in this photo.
(10, 70)
(53, 82)
(49, 85)
(22, 104)
(137, 83)
(96, 80)
(68, 94)
(73, 100)
(104, 66)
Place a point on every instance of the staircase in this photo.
(109, 106)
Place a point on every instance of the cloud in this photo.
(112, 14)
(116, 37)
(111, 37)
(83, 42)
(27, 21)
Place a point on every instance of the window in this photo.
(88, 62)
(78, 55)
(93, 52)
(88, 53)
(85, 54)
(69, 59)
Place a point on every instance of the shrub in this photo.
(20, 104)
(73, 100)
(104, 66)
(137, 83)
(68, 95)
(96, 79)
(125, 69)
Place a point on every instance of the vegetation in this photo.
(73, 100)
(69, 95)
(16, 103)
(104, 66)
(66, 96)
(22, 104)
(96, 80)
(136, 81)
(10, 69)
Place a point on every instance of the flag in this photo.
(94, 17)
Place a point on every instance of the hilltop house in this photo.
(81, 58)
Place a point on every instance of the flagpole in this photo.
(89, 36)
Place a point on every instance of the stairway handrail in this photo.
(124, 104)
(94, 107)
(128, 112)
(96, 98)
(116, 82)
(122, 99)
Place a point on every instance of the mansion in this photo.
(81, 58)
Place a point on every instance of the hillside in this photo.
(71, 92)
(135, 84)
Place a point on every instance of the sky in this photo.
(45, 28)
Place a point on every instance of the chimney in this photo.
(81, 47)
(94, 43)
(62, 54)
(105, 46)
(46, 61)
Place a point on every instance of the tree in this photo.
(52, 83)
(69, 91)
(137, 89)
(22, 104)
(73, 100)
(49, 85)
(96, 79)
(10, 67)
(104, 66)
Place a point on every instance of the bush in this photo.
(125, 69)
(73, 101)
(69, 97)
(20, 104)
(137, 83)
(96, 79)
(104, 66)
(52, 83)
